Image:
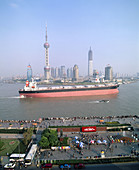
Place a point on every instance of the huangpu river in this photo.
(12, 107)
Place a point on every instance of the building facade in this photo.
(70, 73)
(63, 72)
(52, 72)
(29, 72)
(56, 72)
(108, 73)
(75, 73)
(90, 63)
(95, 74)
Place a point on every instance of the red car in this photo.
(79, 166)
(47, 166)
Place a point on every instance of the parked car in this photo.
(10, 166)
(95, 156)
(65, 166)
(46, 166)
(79, 166)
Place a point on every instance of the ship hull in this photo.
(70, 93)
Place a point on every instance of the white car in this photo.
(9, 166)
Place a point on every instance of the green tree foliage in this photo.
(53, 139)
(64, 142)
(49, 138)
(44, 143)
(46, 133)
(27, 136)
(1, 144)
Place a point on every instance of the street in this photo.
(120, 166)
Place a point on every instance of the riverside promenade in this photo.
(89, 151)
(67, 121)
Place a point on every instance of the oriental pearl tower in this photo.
(47, 66)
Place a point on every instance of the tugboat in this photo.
(104, 101)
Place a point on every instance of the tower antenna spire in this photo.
(46, 32)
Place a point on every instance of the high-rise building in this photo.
(56, 72)
(90, 63)
(108, 73)
(63, 72)
(70, 72)
(75, 73)
(52, 72)
(95, 74)
(29, 72)
(59, 72)
(47, 66)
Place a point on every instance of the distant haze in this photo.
(110, 27)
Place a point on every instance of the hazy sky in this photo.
(110, 27)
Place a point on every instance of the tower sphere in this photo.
(47, 68)
(46, 45)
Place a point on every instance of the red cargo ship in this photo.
(31, 90)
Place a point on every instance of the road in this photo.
(120, 166)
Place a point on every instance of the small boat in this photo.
(99, 101)
(104, 101)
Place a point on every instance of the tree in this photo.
(44, 143)
(27, 136)
(1, 144)
(53, 140)
(61, 132)
(25, 140)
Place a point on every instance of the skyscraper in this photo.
(63, 72)
(70, 72)
(108, 73)
(52, 72)
(47, 66)
(59, 72)
(29, 72)
(56, 72)
(90, 63)
(75, 73)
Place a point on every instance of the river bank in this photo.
(68, 121)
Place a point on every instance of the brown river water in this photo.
(14, 108)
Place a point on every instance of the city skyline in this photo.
(109, 27)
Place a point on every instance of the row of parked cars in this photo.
(63, 166)
(48, 166)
